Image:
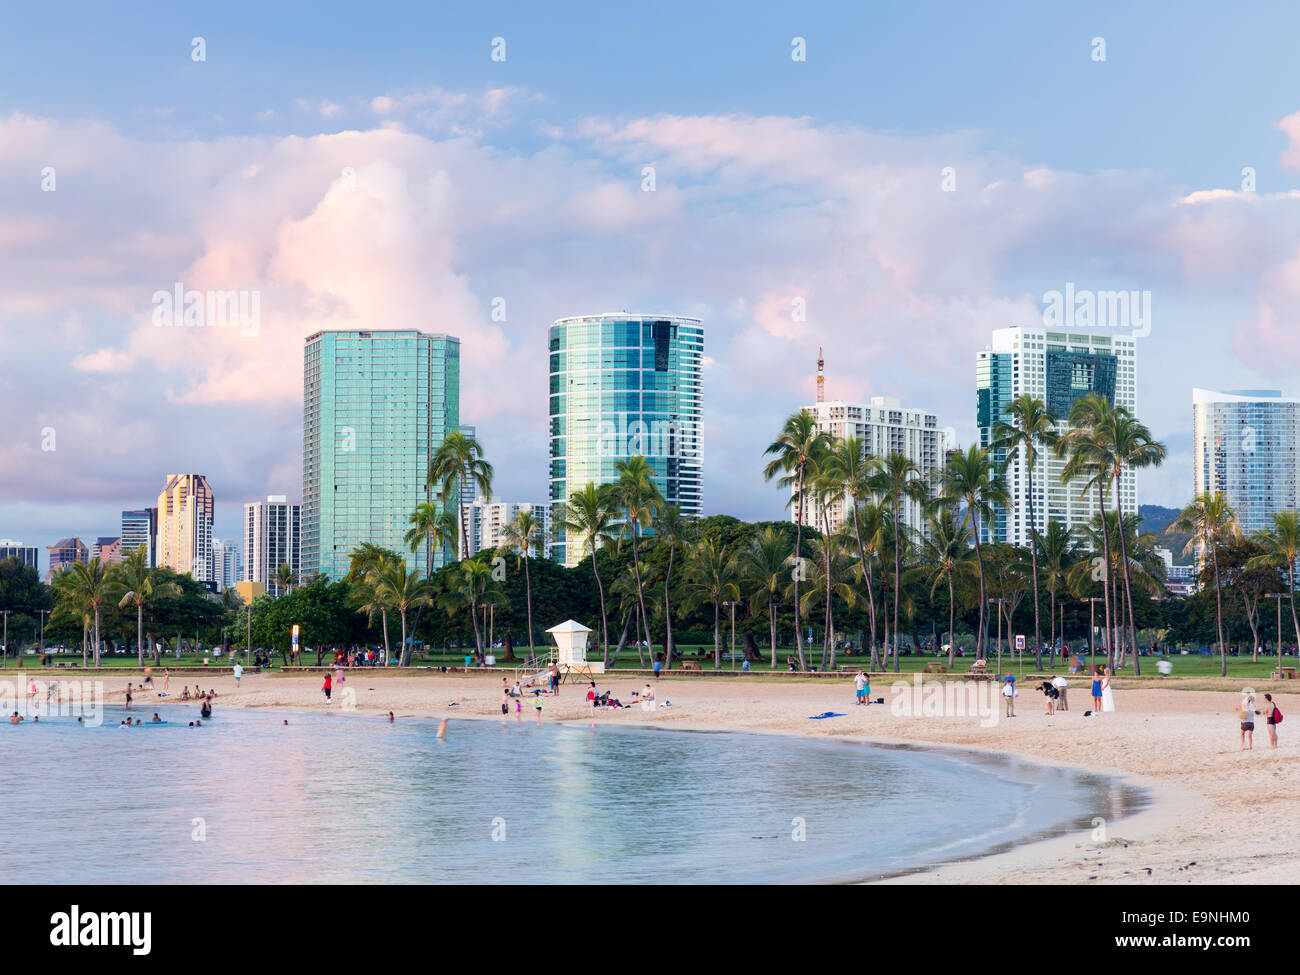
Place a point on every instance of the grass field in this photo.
(1189, 666)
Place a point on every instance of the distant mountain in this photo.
(1155, 519)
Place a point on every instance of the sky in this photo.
(924, 174)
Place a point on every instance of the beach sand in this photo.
(1219, 815)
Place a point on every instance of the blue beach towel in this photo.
(824, 714)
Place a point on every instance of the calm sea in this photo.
(349, 799)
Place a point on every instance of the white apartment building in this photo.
(885, 427)
(272, 538)
(1058, 366)
(487, 521)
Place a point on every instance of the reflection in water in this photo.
(348, 799)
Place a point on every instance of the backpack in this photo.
(1277, 714)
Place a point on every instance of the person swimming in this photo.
(206, 710)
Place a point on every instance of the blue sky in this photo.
(483, 178)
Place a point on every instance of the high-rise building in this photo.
(376, 406)
(186, 508)
(26, 554)
(487, 521)
(1058, 366)
(272, 538)
(885, 427)
(225, 564)
(63, 553)
(108, 549)
(624, 385)
(1245, 444)
(140, 528)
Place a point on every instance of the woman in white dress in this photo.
(1107, 698)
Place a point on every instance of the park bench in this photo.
(691, 665)
(1286, 673)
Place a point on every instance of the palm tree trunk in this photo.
(771, 623)
(1105, 588)
(1033, 558)
(798, 568)
(897, 563)
(979, 564)
(717, 637)
(1128, 589)
(478, 633)
(604, 622)
(640, 593)
(139, 632)
(387, 656)
(866, 575)
(97, 637)
(404, 658)
(952, 608)
(668, 612)
(1218, 605)
(528, 583)
(1294, 620)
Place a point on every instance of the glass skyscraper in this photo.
(376, 406)
(1058, 366)
(624, 385)
(1246, 449)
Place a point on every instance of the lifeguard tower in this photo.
(571, 648)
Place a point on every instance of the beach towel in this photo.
(824, 714)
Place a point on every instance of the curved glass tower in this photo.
(624, 385)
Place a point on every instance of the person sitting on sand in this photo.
(185, 694)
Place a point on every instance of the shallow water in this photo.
(348, 799)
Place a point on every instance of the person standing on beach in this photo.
(537, 706)
(555, 679)
(1246, 713)
(860, 683)
(1271, 715)
(327, 687)
(1096, 688)
(148, 677)
(658, 666)
(128, 695)
(167, 679)
(505, 703)
(1062, 688)
(1009, 698)
(239, 672)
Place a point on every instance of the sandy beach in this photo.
(1218, 815)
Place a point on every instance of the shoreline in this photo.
(1214, 815)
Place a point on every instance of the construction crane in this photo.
(821, 379)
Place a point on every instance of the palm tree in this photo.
(523, 536)
(830, 561)
(971, 479)
(1089, 459)
(459, 458)
(372, 592)
(85, 586)
(285, 577)
(403, 591)
(1057, 553)
(427, 522)
(897, 479)
(138, 584)
(1281, 546)
(590, 515)
(946, 550)
(711, 578)
(1211, 520)
(469, 588)
(796, 453)
(1029, 426)
(762, 566)
(847, 467)
(673, 529)
(636, 496)
(1132, 447)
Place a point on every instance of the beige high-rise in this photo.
(186, 508)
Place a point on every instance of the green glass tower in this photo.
(376, 406)
(625, 385)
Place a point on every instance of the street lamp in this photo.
(732, 604)
(998, 610)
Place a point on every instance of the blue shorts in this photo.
(862, 693)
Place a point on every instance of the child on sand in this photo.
(327, 687)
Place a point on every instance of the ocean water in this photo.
(335, 798)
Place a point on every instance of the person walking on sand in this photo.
(537, 706)
(327, 687)
(1009, 698)
(239, 672)
(167, 679)
(1272, 716)
(555, 679)
(1096, 688)
(505, 703)
(1246, 714)
(860, 683)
